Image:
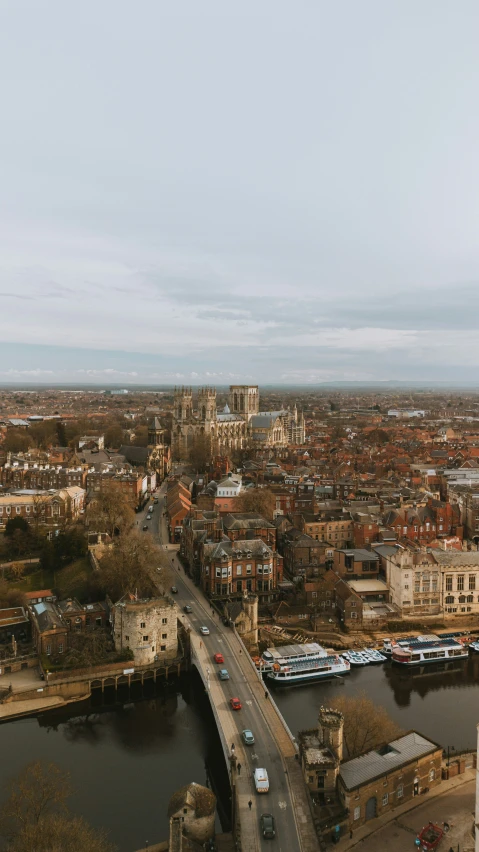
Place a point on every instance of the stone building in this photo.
(239, 421)
(388, 776)
(321, 752)
(147, 627)
(243, 614)
(194, 807)
(373, 783)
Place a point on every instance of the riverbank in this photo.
(32, 706)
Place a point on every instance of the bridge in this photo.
(275, 748)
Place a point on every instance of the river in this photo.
(128, 753)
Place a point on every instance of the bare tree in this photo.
(260, 500)
(366, 725)
(131, 565)
(200, 453)
(110, 510)
(35, 817)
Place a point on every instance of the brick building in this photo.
(356, 564)
(334, 527)
(43, 508)
(235, 567)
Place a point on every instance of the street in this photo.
(265, 752)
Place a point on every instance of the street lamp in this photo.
(448, 749)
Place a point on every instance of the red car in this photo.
(235, 704)
(218, 658)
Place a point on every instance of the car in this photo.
(267, 826)
(174, 590)
(148, 517)
(218, 658)
(205, 631)
(187, 608)
(247, 737)
(155, 500)
(145, 527)
(235, 704)
(223, 674)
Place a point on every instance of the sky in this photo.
(242, 191)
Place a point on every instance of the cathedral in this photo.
(239, 423)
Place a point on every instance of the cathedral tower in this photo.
(183, 404)
(207, 404)
(244, 400)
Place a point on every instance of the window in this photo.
(49, 649)
(239, 570)
(460, 582)
(60, 648)
(18, 510)
(248, 569)
(357, 812)
(400, 791)
(164, 635)
(145, 638)
(385, 799)
(448, 583)
(450, 599)
(472, 582)
(162, 647)
(406, 586)
(470, 599)
(164, 621)
(432, 774)
(127, 638)
(142, 624)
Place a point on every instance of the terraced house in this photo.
(235, 567)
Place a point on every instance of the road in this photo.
(265, 753)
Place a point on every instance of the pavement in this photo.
(274, 749)
(452, 801)
(22, 680)
(16, 709)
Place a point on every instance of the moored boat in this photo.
(427, 649)
(296, 664)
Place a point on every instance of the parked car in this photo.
(267, 826)
(145, 527)
(174, 590)
(247, 737)
(187, 608)
(218, 658)
(235, 704)
(205, 631)
(224, 675)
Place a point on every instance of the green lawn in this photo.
(69, 582)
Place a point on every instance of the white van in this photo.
(261, 780)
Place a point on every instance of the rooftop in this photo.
(381, 761)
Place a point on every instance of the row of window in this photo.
(399, 794)
(461, 599)
(460, 582)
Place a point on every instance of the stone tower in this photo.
(330, 730)
(194, 806)
(244, 400)
(207, 404)
(155, 433)
(183, 403)
(147, 627)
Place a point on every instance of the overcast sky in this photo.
(211, 191)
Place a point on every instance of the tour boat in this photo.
(294, 664)
(474, 646)
(427, 649)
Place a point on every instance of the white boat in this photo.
(356, 658)
(295, 664)
(374, 656)
(427, 649)
(474, 646)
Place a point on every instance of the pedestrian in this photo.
(250, 804)
(265, 694)
(350, 834)
(232, 746)
(239, 768)
(240, 650)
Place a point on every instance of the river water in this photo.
(128, 752)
